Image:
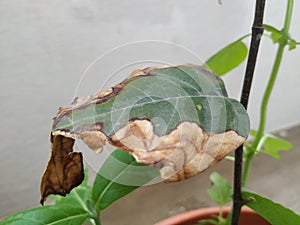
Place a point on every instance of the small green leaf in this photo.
(292, 44)
(119, 175)
(220, 191)
(208, 222)
(72, 215)
(228, 58)
(215, 219)
(275, 213)
(276, 37)
(275, 33)
(253, 133)
(279, 36)
(272, 145)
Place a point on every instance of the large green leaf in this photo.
(166, 97)
(54, 215)
(163, 116)
(119, 175)
(275, 213)
(228, 58)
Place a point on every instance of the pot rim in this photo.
(194, 214)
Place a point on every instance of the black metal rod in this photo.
(257, 31)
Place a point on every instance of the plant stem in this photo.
(257, 31)
(268, 91)
(288, 16)
(263, 114)
(95, 216)
(97, 220)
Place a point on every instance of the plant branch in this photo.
(257, 31)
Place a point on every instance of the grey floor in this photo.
(277, 179)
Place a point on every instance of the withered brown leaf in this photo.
(64, 170)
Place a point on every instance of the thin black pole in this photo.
(257, 31)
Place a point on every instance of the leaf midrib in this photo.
(109, 185)
(72, 122)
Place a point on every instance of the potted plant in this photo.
(202, 129)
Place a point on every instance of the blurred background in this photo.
(47, 46)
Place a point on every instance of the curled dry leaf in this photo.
(64, 170)
(176, 118)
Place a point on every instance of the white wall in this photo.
(47, 45)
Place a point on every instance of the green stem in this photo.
(97, 220)
(94, 214)
(288, 16)
(263, 113)
(267, 93)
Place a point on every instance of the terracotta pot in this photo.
(248, 217)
